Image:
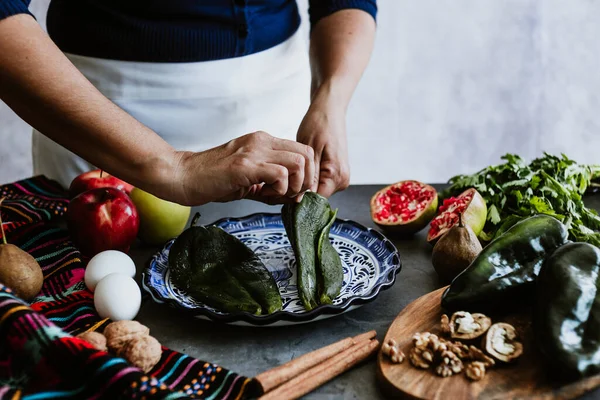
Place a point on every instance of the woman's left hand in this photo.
(324, 129)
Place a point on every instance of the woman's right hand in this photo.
(257, 166)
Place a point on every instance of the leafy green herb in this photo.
(548, 185)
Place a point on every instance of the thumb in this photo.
(327, 187)
(315, 185)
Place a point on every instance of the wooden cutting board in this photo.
(525, 379)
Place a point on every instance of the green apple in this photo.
(160, 220)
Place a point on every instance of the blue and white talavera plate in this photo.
(370, 263)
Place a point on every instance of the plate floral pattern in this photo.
(370, 263)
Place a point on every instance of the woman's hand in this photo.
(324, 129)
(340, 47)
(256, 166)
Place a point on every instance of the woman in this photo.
(149, 91)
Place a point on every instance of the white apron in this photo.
(195, 106)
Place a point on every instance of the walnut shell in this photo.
(445, 324)
(502, 342)
(120, 332)
(96, 339)
(143, 351)
(467, 326)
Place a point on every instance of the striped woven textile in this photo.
(39, 357)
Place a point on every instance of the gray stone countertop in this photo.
(251, 350)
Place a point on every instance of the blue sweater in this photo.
(176, 30)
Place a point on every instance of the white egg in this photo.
(107, 262)
(117, 297)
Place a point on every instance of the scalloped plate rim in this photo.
(280, 316)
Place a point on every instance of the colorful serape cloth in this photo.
(39, 357)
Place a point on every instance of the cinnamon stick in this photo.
(324, 372)
(276, 376)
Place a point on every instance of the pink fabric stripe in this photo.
(184, 373)
(112, 380)
(3, 390)
(230, 387)
(8, 301)
(36, 194)
(26, 209)
(61, 240)
(64, 328)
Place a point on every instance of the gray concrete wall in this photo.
(452, 85)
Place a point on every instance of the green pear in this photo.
(160, 220)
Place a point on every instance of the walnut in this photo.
(438, 345)
(477, 355)
(120, 332)
(466, 326)
(475, 370)
(396, 355)
(501, 342)
(445, 322)
(422, 340)
(420, 358)
(458, 348)
(143, 351)
(449, 365)
(391, 349)
(96, 339)
(385, 348)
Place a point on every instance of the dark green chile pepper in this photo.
(329, 267)
(319, 268)
(567, 310)
(217, 269)
(506, 269)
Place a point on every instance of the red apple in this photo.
(97, 179)
(102, 219)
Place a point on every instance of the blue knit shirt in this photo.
(176, 30)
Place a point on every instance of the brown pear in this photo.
(19, 270)
(455, 251)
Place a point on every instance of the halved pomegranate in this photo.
(405, 207)
(472, 207)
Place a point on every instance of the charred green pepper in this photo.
(506, 269)
(567, 310)
(329, 266)
(320, 275)
(217, 269)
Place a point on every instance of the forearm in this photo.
(340, 48)
(42, 86)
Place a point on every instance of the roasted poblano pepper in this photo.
(320, 275)
(219, 270)
(506, 269)
(567, 310)
(329, 266)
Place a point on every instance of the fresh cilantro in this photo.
(549, 185)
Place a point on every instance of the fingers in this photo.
(333, 179)
(275, 178)
(307, 153)
(317, 171)
(271, 200)
(326, 188)
(295, 163)
(259, 157)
